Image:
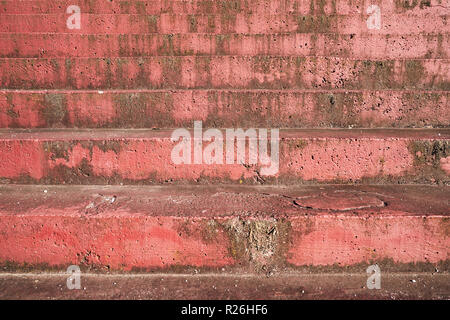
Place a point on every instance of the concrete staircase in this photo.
(96, 169)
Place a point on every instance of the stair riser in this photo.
(153, 158)
(139, 242)
(224, 23)
(223, 108)
(367, 46)
(218, 7)
(223, 72)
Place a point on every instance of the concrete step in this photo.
(165, 23)
(361, 46)
(223, 72)
(294, 156)
(364, 46)
(328, 228)
(222, 286)
(315, 7)
(222, 108)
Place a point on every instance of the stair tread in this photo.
(223, 286)
(226, 200)
(165, 133)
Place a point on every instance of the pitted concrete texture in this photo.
(358, 88)
(140, 108)
(284, 63)
(146, 157)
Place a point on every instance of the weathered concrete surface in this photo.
(223, 108)
(145, 156)
(225, 23)
(394, 286)
(360, 46)
(216, 72)
(238, 63)
(313, 7)
(239, 228)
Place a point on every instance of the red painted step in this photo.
(126, 228)
(297, 156)
(224, 108)
(215, 72)
(224, 23)
(221, 6)
(362, 46)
